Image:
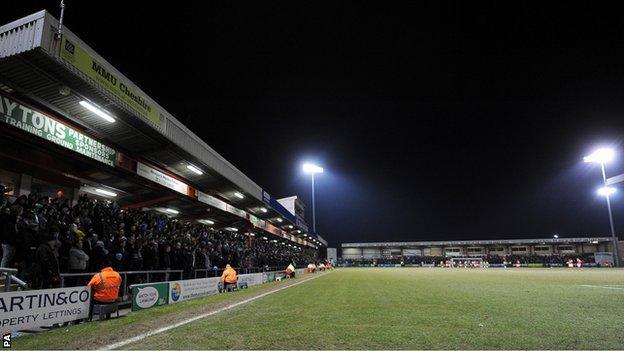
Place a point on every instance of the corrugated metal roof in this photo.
(41, 74)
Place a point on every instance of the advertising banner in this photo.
(159, 177)
(183, 290)
(236, 211)
(102, 75)
(268, 277)
(257, 222)
(34, 122)
(149, 295)
(251, 279)
(24, 310)
(211, 200)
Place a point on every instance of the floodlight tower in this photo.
(312, 169)
(603, 156)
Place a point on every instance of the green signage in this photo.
(149, 295)
(81, 60)
(32, 121)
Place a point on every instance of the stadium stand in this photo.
(178, 205)
(103, 234)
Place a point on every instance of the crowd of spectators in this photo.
(43, 237)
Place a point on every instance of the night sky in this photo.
(433, 120)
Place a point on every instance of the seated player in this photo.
(311, 267)
(229, 278)
(579, 263)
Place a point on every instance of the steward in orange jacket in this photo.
(229, 275)
(105, 285)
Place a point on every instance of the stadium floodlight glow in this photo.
(606, 191)
(265, 238)
(556, 236)
(239, 195)
(232, 229)
(252, 234)
(312, 168)
(194, 169)
(99, 112)
(206, 221)
(263, 210)
(290, 227)
(279, 220)
(602, 155)
(171, 210)
(106, 192)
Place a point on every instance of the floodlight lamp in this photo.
(312, 168)
(602, 155)
(606, 191)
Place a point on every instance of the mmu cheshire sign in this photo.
(85, 63)
(34, 122)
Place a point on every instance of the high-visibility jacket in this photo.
(229, 275)
(105, 285)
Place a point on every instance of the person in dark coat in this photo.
(8, 234)
(47, 274)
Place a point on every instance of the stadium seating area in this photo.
(93, 234)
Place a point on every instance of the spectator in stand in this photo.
(8, 234)
(47, 273)
(77, 258)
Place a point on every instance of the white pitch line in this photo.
(602, 286)
(193, 319)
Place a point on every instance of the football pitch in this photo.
(384, 308)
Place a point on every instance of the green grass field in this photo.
(392, 308)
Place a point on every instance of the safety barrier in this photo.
(10, 278)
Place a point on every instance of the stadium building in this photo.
(73, 124)
(598, 249)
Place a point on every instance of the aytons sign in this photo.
(32, 121)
